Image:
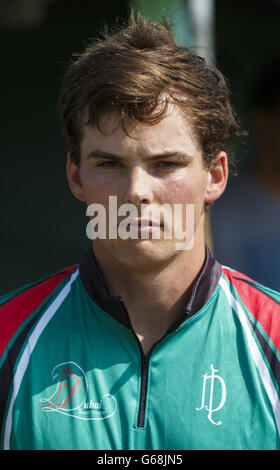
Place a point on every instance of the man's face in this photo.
(156, 165)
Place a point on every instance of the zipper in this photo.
(143, 391)
(144, 372)
(145, 359)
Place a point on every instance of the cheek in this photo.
(97, 190)
(188, 190)
(185, 190)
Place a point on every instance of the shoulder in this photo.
(260, 304)
(250, 290)
(258, 310)
(17, 307)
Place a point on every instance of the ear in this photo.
(74, 179)
(217, 177)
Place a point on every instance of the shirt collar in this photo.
(95, 285)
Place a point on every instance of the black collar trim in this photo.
(94, 283)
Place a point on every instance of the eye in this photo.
(109, 164)
(166, 164)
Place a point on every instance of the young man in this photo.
(148, 343)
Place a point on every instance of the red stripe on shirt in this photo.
(264, 308)
(17, 309)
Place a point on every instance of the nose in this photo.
(138, 187)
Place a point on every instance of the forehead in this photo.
(173, 133)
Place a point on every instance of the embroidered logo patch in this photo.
(71, 395)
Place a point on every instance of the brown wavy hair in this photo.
(129, 70)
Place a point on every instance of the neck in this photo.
(156, 298)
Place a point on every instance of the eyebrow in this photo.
(111, 156)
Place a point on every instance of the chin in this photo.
(143, 254)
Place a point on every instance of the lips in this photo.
(143, 225)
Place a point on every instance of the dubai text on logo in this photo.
(70, 395)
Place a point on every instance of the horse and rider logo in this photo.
(71, 395)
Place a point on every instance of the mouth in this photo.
(143, 225)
